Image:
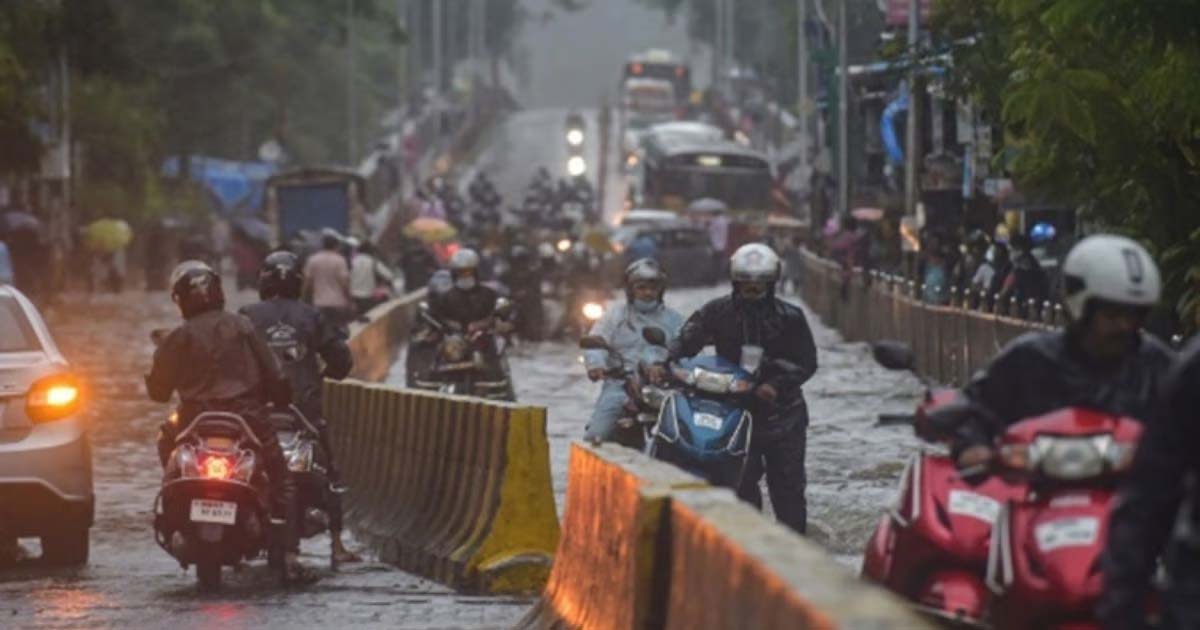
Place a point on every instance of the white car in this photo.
(45, 456)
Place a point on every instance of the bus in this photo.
(644, 103)
(661, 65)
(678, 169)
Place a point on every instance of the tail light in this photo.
(53, 398)
(217, 467)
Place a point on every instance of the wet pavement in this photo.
(130, 582)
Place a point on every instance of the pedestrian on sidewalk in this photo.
(327, 282)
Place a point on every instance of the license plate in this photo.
(974, 505)
(206, 511)
(1081, 531)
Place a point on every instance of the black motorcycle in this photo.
(308, 463)
(466, 362)
(635, 427)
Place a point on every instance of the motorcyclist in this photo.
(752, 320)
(482, 191)
(302, 341)
(523, 277)
(469, 303)
(216, 362)
(1156, 513)
(421, 347)
(1100, 360)
(621, 327)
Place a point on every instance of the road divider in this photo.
(646, 546)
(453, 488)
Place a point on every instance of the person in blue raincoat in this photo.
(621, 327)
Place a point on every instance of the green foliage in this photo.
(1100, 104)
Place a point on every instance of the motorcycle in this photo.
(584, 307)
(704, 426)
(1045, 548)
(931, 547)
(461, 360)
(213, 509)
(308, 463)
(643, 400)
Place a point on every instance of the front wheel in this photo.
(67, 546)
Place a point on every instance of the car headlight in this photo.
(574, 137)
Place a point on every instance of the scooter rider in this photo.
(216, 362)
(298, 335)
(1099, 361)
(753, 320)
(621, 327)
(469, 303)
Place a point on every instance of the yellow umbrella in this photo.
(106, 236)
(430, 230)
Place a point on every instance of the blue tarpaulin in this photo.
(237, 186)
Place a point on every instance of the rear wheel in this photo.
(67, 546)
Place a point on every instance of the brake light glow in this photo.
(216, 467)
(53, 398)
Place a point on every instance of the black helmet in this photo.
(280, 276)
(196, 288)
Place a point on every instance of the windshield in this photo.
(16, 333)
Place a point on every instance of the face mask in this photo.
(645, 306)
(466, 284)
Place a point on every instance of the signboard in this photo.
(897, 12)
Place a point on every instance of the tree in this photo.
(1100, 105)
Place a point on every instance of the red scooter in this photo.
(931, 548)
(1044, 564)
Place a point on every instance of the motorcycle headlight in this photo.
(653, 396)
(300, 458)
(593, 311)
(1069, 458)
(712, 382)
(454, 349)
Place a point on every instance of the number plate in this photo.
(708, 421)
(974, 505)
(205, 511)
(1080, 531)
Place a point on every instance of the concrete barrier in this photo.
(377, 342)
(607, 570)
(646, 546)
(451, 488)
(730, 567)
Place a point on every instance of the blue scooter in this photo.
(705, 426)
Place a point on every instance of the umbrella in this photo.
(15, 221)
(106, 236)
(430, 230)
(707, 205)
(867, 214)
(253, 229)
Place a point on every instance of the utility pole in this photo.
(731, 33)
(718, 55)
(843, 116)
(436, 29)
(351, 96)
(912, 141)
(802, 81)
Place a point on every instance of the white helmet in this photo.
(755, 262)
(463, 260)
(1110, 268)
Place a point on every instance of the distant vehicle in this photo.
(684, 251)
(45, 455)
(660, 64)
(678, 170)
(644, 216)
(676, 130)
(644, 103)
(313, 199)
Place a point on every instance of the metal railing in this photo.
(952, 339)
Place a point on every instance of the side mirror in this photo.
(159, 335)
(654, 336)
(504, 307)
(592, 342)
(894, 355)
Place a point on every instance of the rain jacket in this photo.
(622, 327)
